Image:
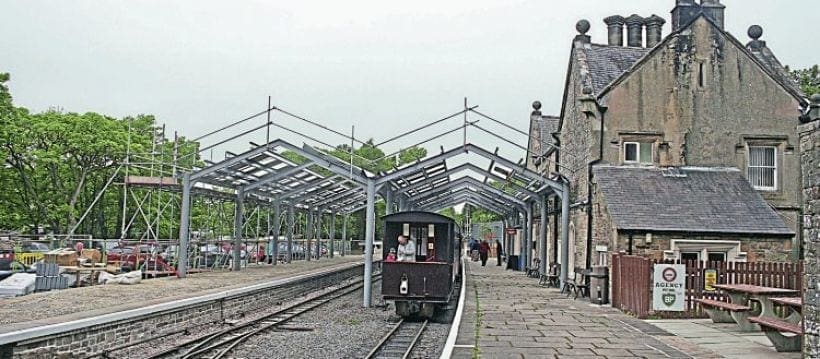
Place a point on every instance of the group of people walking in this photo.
(481, 251)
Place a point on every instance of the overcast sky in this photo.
(380, 66)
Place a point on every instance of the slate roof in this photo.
(767, 58)
(607, 63)
(698, 200)
(546, 126)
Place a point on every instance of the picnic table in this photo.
(796, 305)
(741, 294)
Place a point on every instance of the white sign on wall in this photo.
(669, 288)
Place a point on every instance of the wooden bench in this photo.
(724, 312)
(532, 271)
(551, 278)
(774, 328)
(577, 285)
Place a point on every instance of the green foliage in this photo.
(808, 79)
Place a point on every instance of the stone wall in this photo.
(111, 335)
(810, 158)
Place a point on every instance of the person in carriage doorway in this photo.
(483, 252)
(406, 250)
(499, 250)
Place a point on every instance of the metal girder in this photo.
(275, 176)
(228, 162)
(465, 197)
(305, 188)
(469, 181)
(340, 195)
(475, 195)
(555, 185)
(419, 165)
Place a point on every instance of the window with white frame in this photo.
(638, 152)
(762, 168)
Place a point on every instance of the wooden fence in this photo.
(632, 282)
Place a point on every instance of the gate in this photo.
(631, 286)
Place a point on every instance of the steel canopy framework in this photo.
(324, 185)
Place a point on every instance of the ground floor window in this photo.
(705, 250)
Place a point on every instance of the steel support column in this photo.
(332, 234)
(402, 203)
(542, 238)
(318, 233)
(564, 232)
(309, 234)
(277, 228)
(239, 219)
(370, 231)
(344, 233)
(529, 227)
(388, 200)
(184, 226)
(291, 224)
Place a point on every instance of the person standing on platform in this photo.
(406, 250)
(483, 252)
(498, 251)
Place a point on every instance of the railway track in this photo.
(399, 342)
(217, 345)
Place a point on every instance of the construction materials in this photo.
(17, 284)
(48, 277)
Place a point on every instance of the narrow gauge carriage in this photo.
(417, 288)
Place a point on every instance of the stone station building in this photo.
(695, 123)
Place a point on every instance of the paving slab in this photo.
(508, 315)
(724, 339)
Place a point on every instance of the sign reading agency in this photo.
(669, 288)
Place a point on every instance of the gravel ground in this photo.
(74, 303)
(341, 329)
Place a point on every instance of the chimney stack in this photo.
(654, 30)
(684, 12)
(714, 10)
(615, 26)
(634, 28)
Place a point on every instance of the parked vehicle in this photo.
(6, 255)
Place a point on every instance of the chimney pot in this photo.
(654, 30)
(714, 10)
(615, 27)
(684, 12)
(634, 28)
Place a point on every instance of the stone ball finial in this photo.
(755, 32)
(582, 26)
(536, 105)
(587, 90)
(815, 99)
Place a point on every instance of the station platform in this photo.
(60, 306)
(508, 315)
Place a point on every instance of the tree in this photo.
(808, 79)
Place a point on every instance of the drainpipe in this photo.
(590, 106)
(556, 204)
(602, 110)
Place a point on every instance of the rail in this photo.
(400, 341)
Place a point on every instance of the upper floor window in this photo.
(762, 168)
(638, 152)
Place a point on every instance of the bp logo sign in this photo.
(669, 287)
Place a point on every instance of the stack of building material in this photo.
(63, 257)
(48, 277)
(17, 284)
